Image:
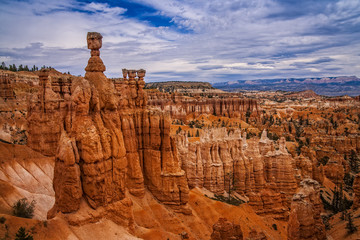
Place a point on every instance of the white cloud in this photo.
(209, 39)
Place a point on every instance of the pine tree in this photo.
(179, 130)
(350, 226)
(197, 133)
(354, 161)
(22, 235)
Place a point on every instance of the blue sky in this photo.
(203, 40)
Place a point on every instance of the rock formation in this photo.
(46, 112)
(334, 171)
(225, 230)
(223, 160)
(254, 235)
(105, 141)
(15, 89)
(180, 105)
(356, 188)
(308, 166)
(305, 220)
(6, 90)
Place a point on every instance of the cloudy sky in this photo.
(202, 40)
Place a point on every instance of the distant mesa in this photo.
(328, 86)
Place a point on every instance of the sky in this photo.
(188, 40)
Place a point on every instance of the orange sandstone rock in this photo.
(305, 221)
(105, 141)
(45, 115)
(334, 172)
(180, 106)
(356, 187)
(225, 230)
(222, 160)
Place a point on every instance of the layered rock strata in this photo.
(179, 106)
(108, 142)
(6, 90)
(45, 114)
(308, 166)
(305, 221)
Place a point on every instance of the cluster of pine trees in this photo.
(21, 67)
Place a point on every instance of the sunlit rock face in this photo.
(223, 160)
(105, 140)
(305, 221)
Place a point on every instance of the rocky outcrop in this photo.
(305, 220)
(255, 235)
(45, 115)
(223, 161)
(225, 230)
(308, 166)
(6, 90)
(334, 171)
(29, 78)
(105, 141)
(356, 188)
(329, 144)
(179, 106)
(276, 176)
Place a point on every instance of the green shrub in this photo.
(22, 208)
(274, 227)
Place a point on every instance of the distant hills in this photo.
(329, 86)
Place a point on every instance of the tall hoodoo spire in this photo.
(94, 42)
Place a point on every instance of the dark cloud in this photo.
(292, 9)
(321, 60)
(315, 62)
